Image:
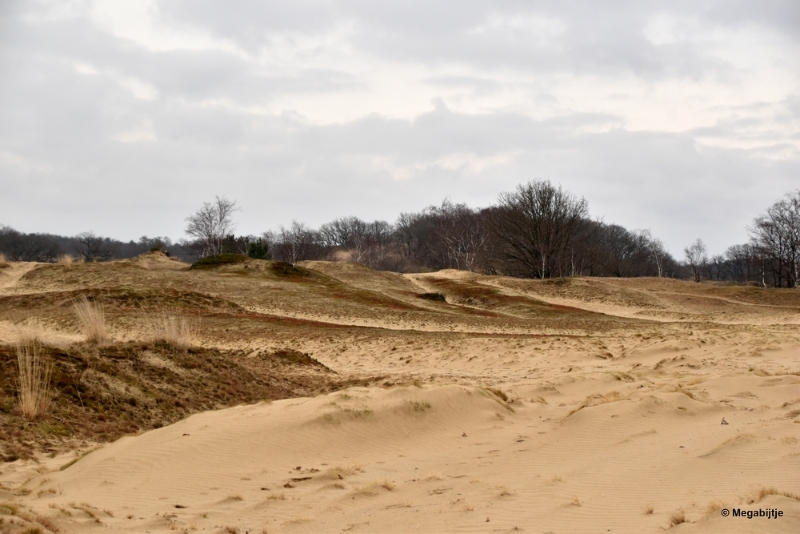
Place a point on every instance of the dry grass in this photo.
(648, 510)
(714, 507)
(417, 406)
(35, 372)
(66, 260)
(764, 492)
(3, 261)
(677, 518)
(92, 320)
(174, 331)
(341, 471)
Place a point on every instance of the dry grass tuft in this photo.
(434, 475)
(677, 518)
(764, 492)
(92, 320)
(174, 331)
(648, 510)
(467, 507)
(386, 483)
(3, 261)
(277, 497)
(66, 260)
(713, 507)
(341, 471)
(35, 372)
(418, 406)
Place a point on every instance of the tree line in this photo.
(538, 230)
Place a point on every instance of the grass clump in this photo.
(4, 261)
(92, 320)
(435, 297)
(174, 331)
(764, 492)
(35, 372)
(677, 518)
(66, 260)
(418, 406)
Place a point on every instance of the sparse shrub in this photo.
(92, 320)
(3, 261)
(35, 371)
(436, 297)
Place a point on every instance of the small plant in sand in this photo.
(677, 518)
(92, 320)
(341, 471)
(174, 331)
(418, 406)
(35, 371)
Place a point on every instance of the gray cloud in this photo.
(100, 132)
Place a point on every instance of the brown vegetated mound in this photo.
(103, 393)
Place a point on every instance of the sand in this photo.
(667, 404)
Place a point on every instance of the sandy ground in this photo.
(688, 410)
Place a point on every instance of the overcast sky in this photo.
(123, 117)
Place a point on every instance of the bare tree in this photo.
(658, 252)
(295, 243)
(93, 247)
(462, 232)
(536, 224)
(211, 224)
(776, 237)
(696, 258)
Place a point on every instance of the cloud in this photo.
(125, 117)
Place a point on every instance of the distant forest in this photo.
(536, 231)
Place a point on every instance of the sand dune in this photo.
(515, 405)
